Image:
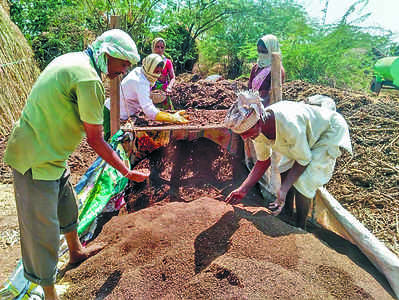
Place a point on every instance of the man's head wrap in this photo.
(272, 45)
(149, 65)
(115, 43)
(245, 112)
(155, 42)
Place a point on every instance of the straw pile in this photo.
(4, 3)
(18, 71)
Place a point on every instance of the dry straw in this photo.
(18, 72)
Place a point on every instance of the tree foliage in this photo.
(215, 32)
(137, 17)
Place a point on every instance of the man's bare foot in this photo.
(80, 256)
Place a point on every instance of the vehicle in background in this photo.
(386, 74)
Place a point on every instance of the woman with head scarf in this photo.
(166, 80)
(64, 105)
(310, 138)
(260, 78)
(135, 95)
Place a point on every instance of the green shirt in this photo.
(67, 93)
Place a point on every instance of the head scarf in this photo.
(149, 65)
(272, 45)
(115, 43)
(245, 112)
(155, 42)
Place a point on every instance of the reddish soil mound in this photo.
(186, 171)
(206, 94)
(206, 249)
(196, 117)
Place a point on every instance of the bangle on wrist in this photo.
(124, 175)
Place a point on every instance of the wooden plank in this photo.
(276, 78)
(171, 127)
(115, 91)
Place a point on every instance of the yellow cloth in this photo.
(155, 42)
(150, 63)
(309, 135)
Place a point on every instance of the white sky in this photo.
(384, 13)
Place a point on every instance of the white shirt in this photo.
(310, 135)
(299, 128)
(135, 96)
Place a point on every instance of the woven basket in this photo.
(157, 96)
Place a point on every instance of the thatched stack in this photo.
(4, 3)
(18, 71)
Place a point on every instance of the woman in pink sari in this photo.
(260, 78)
(167, 79)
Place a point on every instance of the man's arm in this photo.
(96, 141)
(292, 176)
(256, 173)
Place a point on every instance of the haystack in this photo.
(18, 71)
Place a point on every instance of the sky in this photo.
(384, 13)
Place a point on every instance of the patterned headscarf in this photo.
(115, 43)
(149, 65)
(245, 112)
(155, 42)
(272, 45)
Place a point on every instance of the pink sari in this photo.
(258, 80)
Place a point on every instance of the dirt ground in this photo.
(183, 247)
(205, 249)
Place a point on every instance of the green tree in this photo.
(67, 32)
(137, 17)
(233, 43)
(33, 16)
(52, 27)
(184, 22)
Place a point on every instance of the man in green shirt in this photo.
(65, 103)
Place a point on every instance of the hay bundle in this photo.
(18, 71)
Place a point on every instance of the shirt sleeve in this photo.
(148, 107)
(262, 148)
(127, 98)
(90, 95)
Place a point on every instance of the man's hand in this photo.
(138, 176)
(235, 196)
(278, 205)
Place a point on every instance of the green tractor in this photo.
(386, 74)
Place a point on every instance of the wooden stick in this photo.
(115, 91)
(276, 78)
